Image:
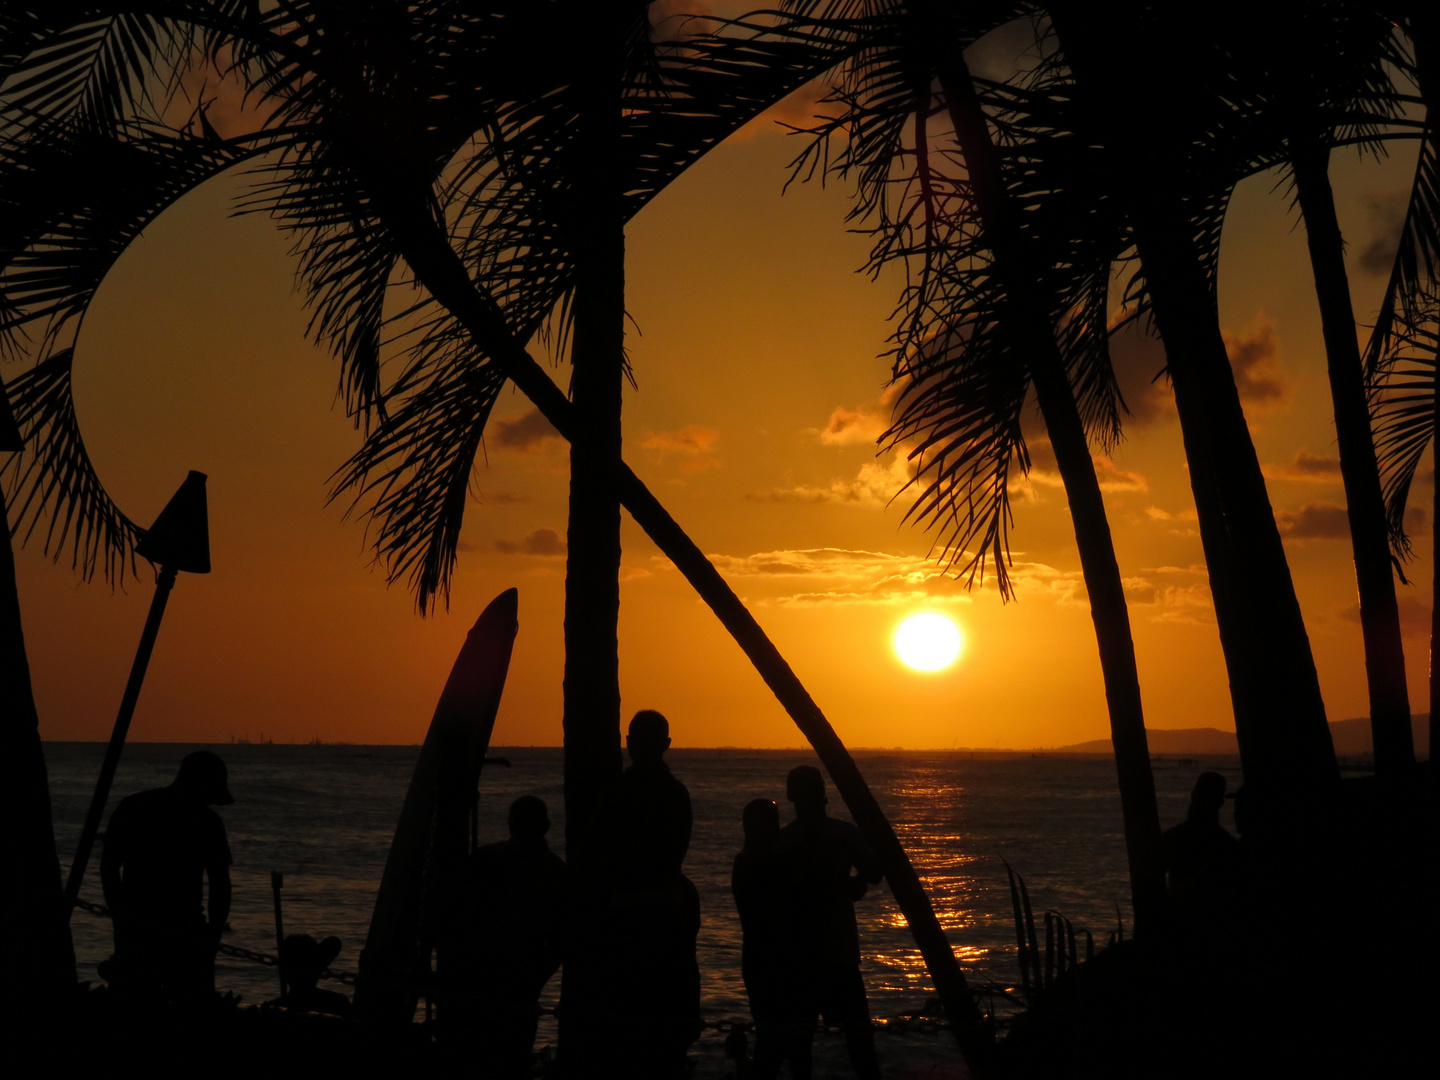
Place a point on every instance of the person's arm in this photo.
(110, 882)
(867, 864)
(112, 859)
(219, 878)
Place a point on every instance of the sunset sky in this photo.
(755, 346)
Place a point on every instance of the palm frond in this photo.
(72, 203)
(1402, 413)
(53, 487)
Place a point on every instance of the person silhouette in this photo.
(653, 911)
(819, 854)
(515, 922)
(1199, 846)
(768, 964)
(302, 961)
(653, 820)
(161, 848)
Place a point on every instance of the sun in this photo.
(928, 642)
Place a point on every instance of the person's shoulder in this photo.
(141, 804)
(846, 830)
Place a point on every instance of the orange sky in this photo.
(759, 397)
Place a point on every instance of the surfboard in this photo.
(446, 774)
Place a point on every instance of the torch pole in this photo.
(163, 585)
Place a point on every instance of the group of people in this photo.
(624, 920)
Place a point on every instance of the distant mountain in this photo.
(1352, 739)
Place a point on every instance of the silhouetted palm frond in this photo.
(1402, 412)
(72, 201)
(52, 487)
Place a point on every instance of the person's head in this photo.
(202, 777)
(528, 818)
(761, 820)
(649, 737)
(302, 959)
(805, 787)
(1208, 795)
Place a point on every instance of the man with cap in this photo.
(161, 849)
(828, 864)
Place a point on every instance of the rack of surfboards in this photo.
(394, 962)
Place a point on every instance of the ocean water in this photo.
(323, 816)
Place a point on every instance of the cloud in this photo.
(501, 498)
(873, 486)
(527, 434)
(831, 575)
(1138, 358)
(1386, 215)
(1414, 616)
(1314, 521)
(691, 440)
(1255, 360)
(1155, 513)
(1172, 594)
(692, 446)
(1307, 468)
(852, 427)
(1115, 479)
(543, 542)
(1329, 521)
(1045, 472)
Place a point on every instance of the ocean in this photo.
(323, 816)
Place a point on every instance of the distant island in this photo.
(1352, 739)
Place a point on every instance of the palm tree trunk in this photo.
(1111, 616)
(423, 245)
(592, 590)
(1280, 720)
(1364, 500)
(37, 958)
(1108, 609)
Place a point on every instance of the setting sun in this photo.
(928, 642)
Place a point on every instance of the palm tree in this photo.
(1171, 158)
(38, 958)
(386, 147)
(1333, 75)
(978, 327)
(1400, 355)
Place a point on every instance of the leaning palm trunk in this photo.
(37, 959)
(1101, 569)
(1279, 712)
(426, 251)
(1364, 500)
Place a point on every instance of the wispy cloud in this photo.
(1255, 359)
(1307, 468)
(692, 446)
(1314, 521)
(527, 434)
(876, 483)
(1414, 616)
(542, 542)
(852, 427)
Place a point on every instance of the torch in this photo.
(179, 540)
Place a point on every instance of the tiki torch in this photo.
(179, 540)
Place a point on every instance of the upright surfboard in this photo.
(451, 757)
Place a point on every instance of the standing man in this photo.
(819, 854)
(653, 911)
(517, 894)
(161, 848)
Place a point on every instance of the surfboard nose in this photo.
(500, 614)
